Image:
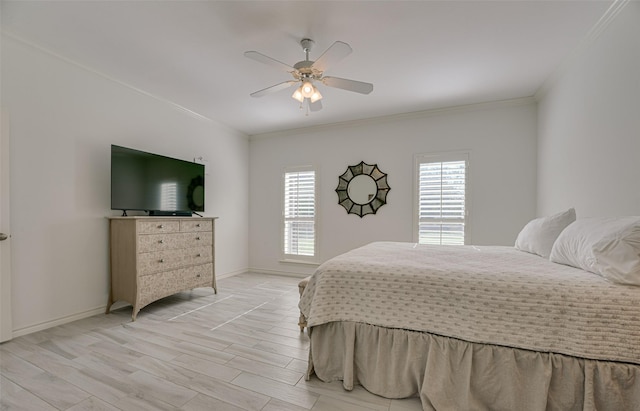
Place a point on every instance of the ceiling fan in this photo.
(306, 72)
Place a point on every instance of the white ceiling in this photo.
(419, 55)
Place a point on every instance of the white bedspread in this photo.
(491, 295)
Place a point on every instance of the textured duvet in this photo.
(491, 295)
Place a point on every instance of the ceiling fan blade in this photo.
(272, 89)
(350, 85)
(254, 55)
(317, 106)
(336, 52)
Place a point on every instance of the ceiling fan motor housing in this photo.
(306, 70)
(305, 67)
(306, 45)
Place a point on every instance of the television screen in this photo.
(155, 183)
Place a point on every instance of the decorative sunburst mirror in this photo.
(362, 189)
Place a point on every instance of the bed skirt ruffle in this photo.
(451, 374)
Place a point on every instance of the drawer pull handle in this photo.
(161, 241)
(198, 275)
(161, 260)
(197, 238)
(160, 226)
(198, 225)
(199, 255)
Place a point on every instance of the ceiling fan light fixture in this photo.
(315, 96)
(307, 89)
(298, 94)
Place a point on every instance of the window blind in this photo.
(299, 213)
(441, 201)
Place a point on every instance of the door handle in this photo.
(3, 236)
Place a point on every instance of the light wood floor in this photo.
(238, 350)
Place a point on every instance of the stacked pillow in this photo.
(538, 236)
(607, 246)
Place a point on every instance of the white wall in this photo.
(63, 120)
(500, 136)
(589, 127)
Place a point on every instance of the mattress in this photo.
(489, 295)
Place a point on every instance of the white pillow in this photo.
(609, 247)
(538, 236)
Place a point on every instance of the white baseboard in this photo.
(278, 272)
(231, 274)
(58, 321)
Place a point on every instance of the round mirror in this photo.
(195, 194)
(362, 189)
(198, 196)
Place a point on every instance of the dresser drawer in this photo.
(159, 242)
(149, 263)
(198, 255)
(158, 226)
(198, 276)
(195, 225)
(154, 287)
(196, 239)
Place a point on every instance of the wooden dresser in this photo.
(154, 257)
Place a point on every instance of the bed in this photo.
(474, 328)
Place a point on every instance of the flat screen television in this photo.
(159, 185)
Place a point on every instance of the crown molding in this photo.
(596, 31)
(401, 116)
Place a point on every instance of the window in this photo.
(299, 214)
(441, 198)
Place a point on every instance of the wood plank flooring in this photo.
(238, 350)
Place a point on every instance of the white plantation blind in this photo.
(299, 213)
(442, 201)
